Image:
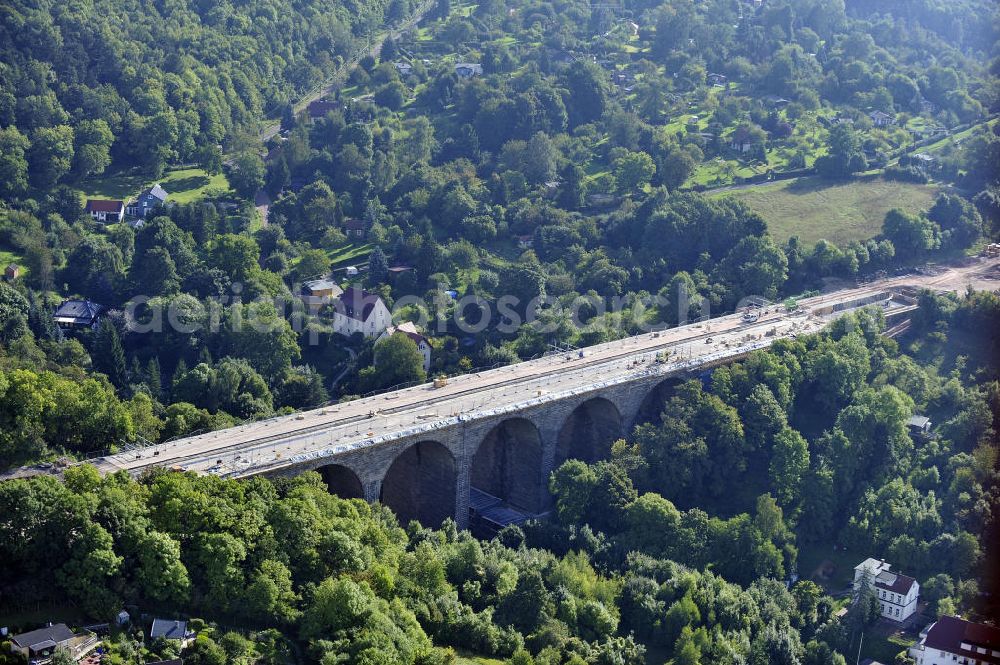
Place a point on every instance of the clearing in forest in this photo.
(816, 209)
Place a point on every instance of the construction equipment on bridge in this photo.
(662, 357)
(440, 381)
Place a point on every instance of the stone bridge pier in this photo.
(429, 476)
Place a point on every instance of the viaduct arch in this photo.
(588, 431)
(421, 484)
(342, 481)
(508, 464)
(651, 407)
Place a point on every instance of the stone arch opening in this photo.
(589, 431)
(651, 408)
(508, 465)
(342, 481)
(420, 484)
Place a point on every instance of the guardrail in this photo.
(649, 369)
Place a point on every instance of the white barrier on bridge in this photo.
(650, 368)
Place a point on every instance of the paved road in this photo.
(283, 441)
(279, 441)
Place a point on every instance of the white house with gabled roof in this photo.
(897, 594)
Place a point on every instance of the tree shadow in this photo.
(811, 184)
(187, 184)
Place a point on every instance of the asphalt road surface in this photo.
(286, 440)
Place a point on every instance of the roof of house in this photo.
(78, 310)
(948, 634)
(473, 67)
(918, 421)
(321, 107)
(400, 268)
(157, 192)
(880, 114)
(322, 284)
(742, 134)
(358, 303)
(104, 205)
(52, 635)
(874, 565)
(409, 329)
(894, 582)
(170, 629)
(175, 661)
(354, 224)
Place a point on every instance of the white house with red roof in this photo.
(410, 330)
(954, 640)
(357, 311)
(896, 593)
(104, 210)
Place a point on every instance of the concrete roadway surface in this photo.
(276, 442)
(272, 443)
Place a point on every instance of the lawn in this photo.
(182, 185)
(831, 569)
(7, 257)
(350, 254)
(948, 141)
(882, 642)
(814, 209)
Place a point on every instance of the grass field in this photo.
(182, 185)
(7, 257)
(350, 254)
(814, 209)
(831, 569)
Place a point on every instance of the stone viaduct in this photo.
(493, 437)
(429, 476)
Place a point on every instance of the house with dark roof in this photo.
(882, 119)
(40, 644)
(742, 139)
(12, 272)
(354, 228)
(320, 108)
(919, 425)
(410, 330)
(897, 594)
(467, 70)
(357, 311)
(954, 640)
(175, 661)
(78, 314)
(104, 210)
(169, 629)
(146, 201)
